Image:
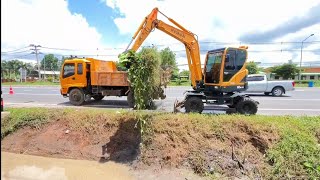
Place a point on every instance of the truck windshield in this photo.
(213, 67)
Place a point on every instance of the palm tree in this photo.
(4, 69)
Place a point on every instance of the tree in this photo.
(252, 67)
(184, 73)
(50, 62)
(286, 71)
(9, 69)
(168, 59)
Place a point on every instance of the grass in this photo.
(32, 117)
(279, 147)
(181, 83)
(36, 83)
(316, 84)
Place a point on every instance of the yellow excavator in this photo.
(223, 76)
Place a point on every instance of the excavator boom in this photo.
(180, 33)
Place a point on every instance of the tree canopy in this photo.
(286, 71)
(10, 69)
(252, 67)
(168, 60)
(49, 62)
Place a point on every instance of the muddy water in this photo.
(26, 167)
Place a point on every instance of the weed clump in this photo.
(144, 75)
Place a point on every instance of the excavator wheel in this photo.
(194, 104)
(247, 106)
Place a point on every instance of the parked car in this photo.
(258, 83)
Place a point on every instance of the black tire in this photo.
(98, 97)
(266, 93)
(231, 106)
(247, 106)
(277, 91)
(194, 104)
(130, 99)
(76, 97)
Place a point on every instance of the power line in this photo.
(10, 53)
(200, 42)
(15, 50)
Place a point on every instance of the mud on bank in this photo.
(211, 145)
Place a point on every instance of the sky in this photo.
(102, 29)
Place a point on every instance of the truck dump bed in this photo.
(105, 73)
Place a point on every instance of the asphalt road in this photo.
(302, 101)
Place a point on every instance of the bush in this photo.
(144, 75)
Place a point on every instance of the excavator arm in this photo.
(180, 33)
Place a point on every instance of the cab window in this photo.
(255, 78)
(213, 67)
(241, 58)
(79, 68)
(68, 70)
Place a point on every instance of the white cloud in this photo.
(47, 23)
(222, 21)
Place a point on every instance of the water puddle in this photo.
(18, 167)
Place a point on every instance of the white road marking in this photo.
(31, 103)
(268, 109)
(37, 94)
(115, 106)
(276, 99)
(27, 90)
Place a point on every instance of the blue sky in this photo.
(102, 29)
(101, 17)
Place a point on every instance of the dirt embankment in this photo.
(218, 146)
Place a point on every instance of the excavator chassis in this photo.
(237, 103)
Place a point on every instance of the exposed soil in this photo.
(237, 151)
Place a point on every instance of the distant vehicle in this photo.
(258, 83)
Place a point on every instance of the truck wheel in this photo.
(194, 104)
(247, 106)
(277, 91)
(130, 99)
(98, 97)
(76, 97)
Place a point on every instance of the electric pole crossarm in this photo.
(36, 51)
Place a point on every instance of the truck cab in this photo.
(74, 73)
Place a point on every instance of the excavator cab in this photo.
(225, 70)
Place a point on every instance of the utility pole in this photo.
(36, 51)
(299, 77)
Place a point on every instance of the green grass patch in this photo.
(179, 83)
(21, 117)
(36, 83)
(305, 83)
(278, 147)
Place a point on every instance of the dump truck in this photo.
(84, 78)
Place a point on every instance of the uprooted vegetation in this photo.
(268, 147)
(144, 74)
